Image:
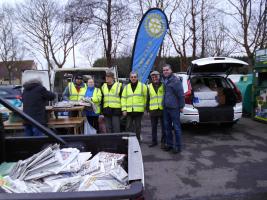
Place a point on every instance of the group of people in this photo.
(166, 102)
(162, 98)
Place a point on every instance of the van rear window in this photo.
(62, 78)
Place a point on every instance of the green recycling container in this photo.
(245, 87)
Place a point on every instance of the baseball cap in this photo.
(154, 73)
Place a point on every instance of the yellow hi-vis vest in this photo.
(134, 101)
(96, 99)
(155, 98)
(74, 94)
(112, 97)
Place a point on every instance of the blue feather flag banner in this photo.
(149, 37)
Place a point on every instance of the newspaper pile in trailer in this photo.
(66, 170)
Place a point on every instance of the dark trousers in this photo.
(93, 121)
(32, 130)
(133, 124)
(172, 117)
(112, 124)
(154, 124)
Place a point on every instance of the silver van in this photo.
(210, 96)
(60, 78)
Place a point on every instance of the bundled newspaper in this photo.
(87, 102)
(65, 170)
(63, 104)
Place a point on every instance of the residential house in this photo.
(16, 70)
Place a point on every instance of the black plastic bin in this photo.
(18, 148)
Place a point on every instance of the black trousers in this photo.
(133, 124)
(154, 124)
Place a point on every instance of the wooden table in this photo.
(76, 123)
(79, 109)
(72, 122)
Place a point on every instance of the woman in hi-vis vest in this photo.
(95, 96)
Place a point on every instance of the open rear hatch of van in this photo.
(215, 66)
(214, 104)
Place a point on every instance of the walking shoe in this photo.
(176, 150)
(162, 146)
(167, 148)
(153, 144)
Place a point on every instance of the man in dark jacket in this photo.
(35, 98)
(173, 103)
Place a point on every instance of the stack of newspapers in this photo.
(66, 170)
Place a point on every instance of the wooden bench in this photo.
(72, 122)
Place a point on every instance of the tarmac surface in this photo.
(216, 162)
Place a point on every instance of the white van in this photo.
(61, 77)
(210, 96)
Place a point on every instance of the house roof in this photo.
(18, 67)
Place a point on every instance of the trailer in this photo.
(19, 148)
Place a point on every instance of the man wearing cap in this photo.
(155, 107)
(111, 91)
(133, 104)
(76, 90)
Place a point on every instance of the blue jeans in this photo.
(32, 131)
(171, 116)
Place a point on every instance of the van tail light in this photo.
(238, 94)
(18, 97)
(188, 94)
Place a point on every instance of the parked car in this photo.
(13, 95)
(10, 92)
(210, 96)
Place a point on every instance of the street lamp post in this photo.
(72, 36)
(9, 73)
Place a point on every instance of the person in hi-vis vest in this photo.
(133, 104)
(111, 103)
(155, 107)
(76, 90)
(95, 95)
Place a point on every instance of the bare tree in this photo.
(204, 15)
(109, 19)
(180, 33)
(194, 12)
(218, 42)
(10, 49)
(49, 30)
(251, 25)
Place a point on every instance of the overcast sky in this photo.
(80, 59)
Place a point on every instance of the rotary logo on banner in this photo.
(149, 37)
(154, 25)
